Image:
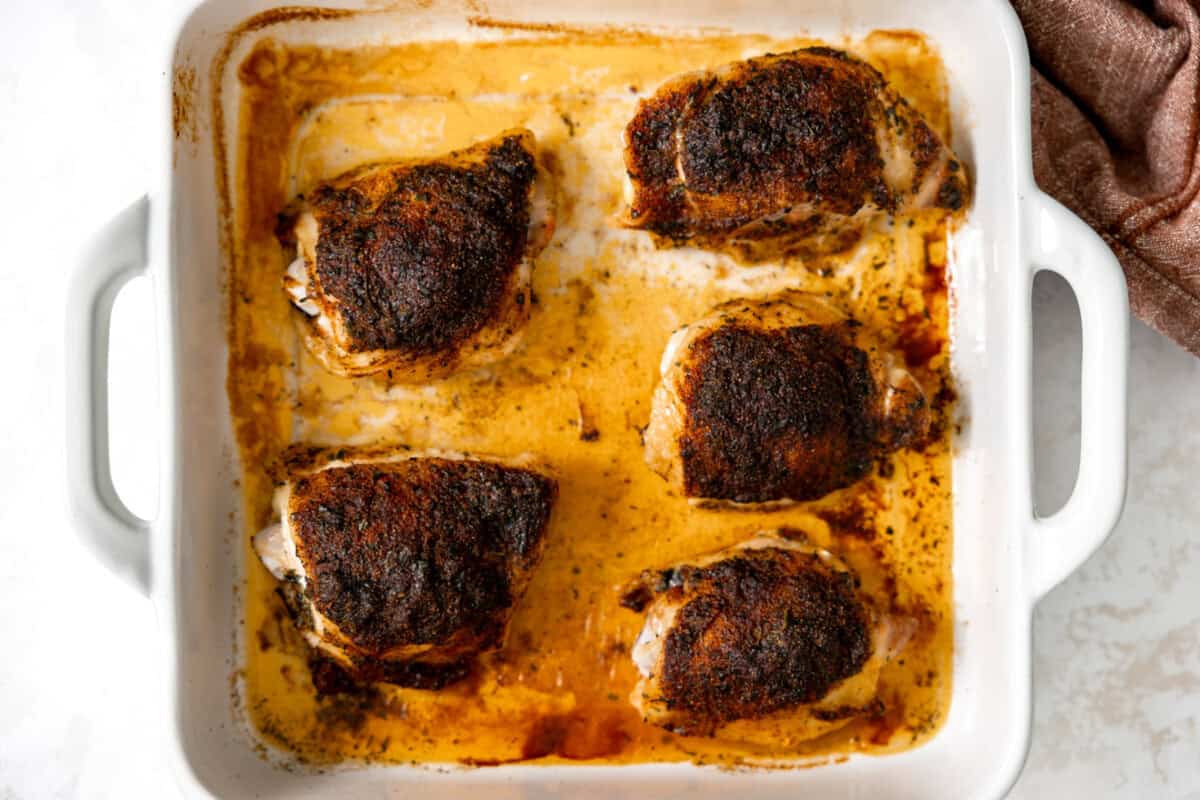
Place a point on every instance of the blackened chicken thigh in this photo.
(402, 566)
(782, 153)
(420, 268)
(777, 401)
(773, 631)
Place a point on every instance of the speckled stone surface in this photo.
(1117, 647)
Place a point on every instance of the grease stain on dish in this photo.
(577, 392)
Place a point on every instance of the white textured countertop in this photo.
(1117, 670)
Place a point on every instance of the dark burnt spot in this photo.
(330, 678)
(919, 341)
(760, 632)
(637, 597)
(871, 711)
(851, 519)
(414, 674)
(882, 196)
(348, 711)
(786, 413)
(424, 551)
(285, 224)
(577, 736)
(829, 52)
(952, 193)
(926, 150)
(419, 258)
(945, 398)
(883, 722)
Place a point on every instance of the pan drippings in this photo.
(576, 392)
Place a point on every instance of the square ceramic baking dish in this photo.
(188, 558)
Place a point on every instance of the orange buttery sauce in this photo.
(577, 393)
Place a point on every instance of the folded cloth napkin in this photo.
(1116, 117)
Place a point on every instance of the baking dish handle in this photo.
(1061, 242)
(118, 537)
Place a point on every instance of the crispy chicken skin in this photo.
(403, 566)
(768, 642)
(419, 268)
(784, 153)
(778, 400)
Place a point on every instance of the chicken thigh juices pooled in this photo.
(782, 153)
(402, 566)
(771, 629)
(419, 268)
(779, 400)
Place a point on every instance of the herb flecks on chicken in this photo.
(779, 400)
(402, 566)
(769, 642)
(420, 267)
(793, 152)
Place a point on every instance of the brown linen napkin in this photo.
(1116, 116)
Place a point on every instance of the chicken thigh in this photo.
(769, 642)
(401, 566)
(419, 268)
(782, 153)
(776, 401)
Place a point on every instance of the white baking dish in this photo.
(188, 558)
